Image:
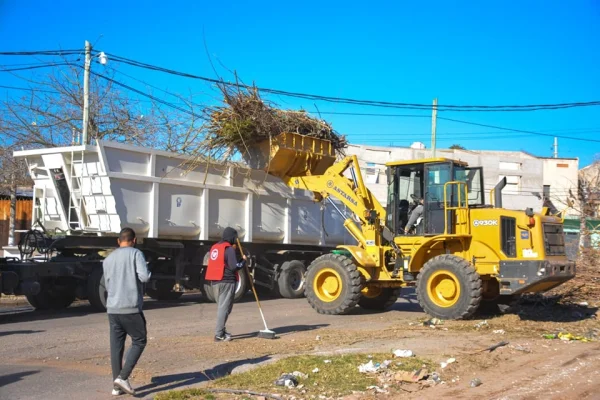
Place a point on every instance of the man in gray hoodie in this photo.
(125, 272)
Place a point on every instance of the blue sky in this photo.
(463, 52)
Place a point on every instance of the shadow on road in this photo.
(284, 330)
(12, 378)
(21, 332)
(176, 381)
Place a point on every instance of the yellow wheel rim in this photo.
(328, 285)
(371, 292)
(443, 288)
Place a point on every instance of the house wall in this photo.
(561, 175)
(526, 173)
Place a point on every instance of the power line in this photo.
(41, 53)
(156, 99)
(34, 67)
(376, 103)
(29, 89)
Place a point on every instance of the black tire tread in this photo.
(354, 282)
(93, 289)
(465, 272)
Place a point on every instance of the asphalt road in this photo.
(65, 355)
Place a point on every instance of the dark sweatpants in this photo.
(122, 325)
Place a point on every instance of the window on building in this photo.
(509, 166)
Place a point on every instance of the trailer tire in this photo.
(382, 300)
(292, 280)
(164, 291)
(55, 294)
(333, 284)
(241, 288)
(96, 290)
(448, 287)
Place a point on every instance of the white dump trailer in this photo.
(84, 195)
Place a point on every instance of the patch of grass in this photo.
(339, 377)
(188, 394)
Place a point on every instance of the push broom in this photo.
(265, 333)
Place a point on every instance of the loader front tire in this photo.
(448, 287)
(380, 299)
(333, 284)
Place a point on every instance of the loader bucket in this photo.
(291, 155)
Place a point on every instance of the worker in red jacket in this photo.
(223, 276)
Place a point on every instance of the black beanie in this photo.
(230, 235)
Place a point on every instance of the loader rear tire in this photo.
(333, 284)
(385, 299)
(448, 287)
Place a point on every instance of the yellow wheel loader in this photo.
(462, 251)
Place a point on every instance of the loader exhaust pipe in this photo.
(498, 193)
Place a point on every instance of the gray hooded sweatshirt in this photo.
(125, 272)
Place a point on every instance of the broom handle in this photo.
(252, 285)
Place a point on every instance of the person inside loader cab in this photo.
(222, 272)
(414, 216)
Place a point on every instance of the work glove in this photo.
(241, 264)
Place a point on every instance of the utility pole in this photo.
(86, 92)
(555, 147)
(433, 122)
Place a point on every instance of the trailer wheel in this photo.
(378, 298)
(291, 281)
(164, 291)
(96, 289)
(333, 284)
(241, 288)
(55, 294)
(448, 287)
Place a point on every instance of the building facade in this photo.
(531, 181)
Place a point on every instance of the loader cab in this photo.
(409, 181)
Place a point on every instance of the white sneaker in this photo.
(124, 385)
(117, 392)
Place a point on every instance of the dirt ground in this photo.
(73, 346)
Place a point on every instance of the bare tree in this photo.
(587, 199)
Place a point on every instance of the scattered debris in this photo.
(565, 336)
(499, 332)
(403, 353)
(521, 348)
(414, 376)
(377, 389)
(433, 322)
(386, 363)
(482, 324)
(316, 370)
(583, 304)
(449, 361)
(318, 337)
(368, 368)
(476, 382)
(491, 348)
(287, 380)
(435, 377)
(300, 375)
(327, 361)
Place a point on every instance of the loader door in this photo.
(436, 175)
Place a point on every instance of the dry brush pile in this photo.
(244, 119)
